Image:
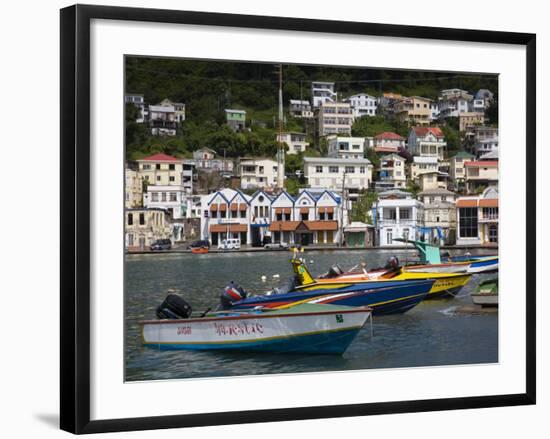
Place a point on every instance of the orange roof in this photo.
(482, 163)
(466, 202)
(489, 202)
(283, 226)
(321, 225)
(422, 131)
(160, 157)
(221, 228)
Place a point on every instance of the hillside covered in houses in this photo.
(369, 154)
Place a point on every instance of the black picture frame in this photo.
(75, 217)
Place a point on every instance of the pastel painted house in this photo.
(478, 218)
(236, 119)
(398, 215)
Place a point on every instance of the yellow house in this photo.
(161, 169)
(415, 110)
(145, 226)
(133, 189)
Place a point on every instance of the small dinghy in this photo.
(486, 293)
(303, 328)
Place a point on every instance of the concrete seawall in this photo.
(475, 249)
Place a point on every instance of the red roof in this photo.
(388, 135)
(422, 131)
(160, 157)
(483, 163)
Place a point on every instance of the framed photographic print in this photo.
(257, 206)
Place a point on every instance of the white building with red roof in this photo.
(427, 142)
(388, 142)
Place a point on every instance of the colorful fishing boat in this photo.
(199, 250)
(486, 293)
(444, 284)
(431, 260)
(304, 329)
(384, 297)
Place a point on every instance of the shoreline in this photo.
(312, 247)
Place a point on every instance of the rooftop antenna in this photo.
(280, 147)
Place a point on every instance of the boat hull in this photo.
(389, 297)
(445, 284)
(485, 299)
(325, 331)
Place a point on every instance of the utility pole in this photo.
(280, 148)
(344, 206)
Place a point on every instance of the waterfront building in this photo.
(145, 226)
(138, 101)
(322, 93)
(300, 109)
(426, 141)
(477, 218)
(334, 118)
(398, 215)
(392, 173)
(308, 218)
(334, 174)
(362, 104)
(414, 110)
(439, 216)
(258, 173)
(236, 119)
(480, 174)
(172, 199)
(204, 159)
(165, 170)
(468, 120)
(296, 142)
(225, 214)
(359, 234)
(388, 142)
(133, 189)
(260, 220)
(346, 147)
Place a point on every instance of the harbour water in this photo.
(431, 334)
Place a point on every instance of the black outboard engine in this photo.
(231, 293)
(174, 307)
(334, 271)
(392, 263)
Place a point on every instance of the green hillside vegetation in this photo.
(209, 87)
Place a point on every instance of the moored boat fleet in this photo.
(317, 315)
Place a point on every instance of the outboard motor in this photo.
(335, 271)
(174, 307)
(231, 293)
(392, 263)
